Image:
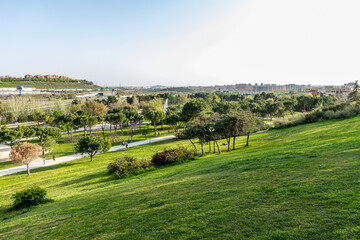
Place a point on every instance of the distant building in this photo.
(339, 91)
(28, 76)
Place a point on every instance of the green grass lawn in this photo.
(65, 148)
(7, 164)
(294, 183)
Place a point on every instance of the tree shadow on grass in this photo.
(101, 177)
(60, 165)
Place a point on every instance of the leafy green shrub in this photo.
(115, 138)
(168, 156)
(337, 112)
(126, 166)
(29, 197)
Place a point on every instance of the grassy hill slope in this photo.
(295, 183)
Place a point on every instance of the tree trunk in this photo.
(110, 128)
(234, 143)
(217, 144)
(209, 146)
(72, 144)
(192, 144)
(67, 128)
(28, 169)
(228, 142)
(247, 140)
(214, 146)
(85, 128)
(202, 148)
(155, 128)
(90, 129)
(91, 157)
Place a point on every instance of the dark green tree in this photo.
(155, 117)
(92, 145)
(173, 120)
(45, 134)
(192, 110)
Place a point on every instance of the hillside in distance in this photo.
(46, 82)
(295, 183)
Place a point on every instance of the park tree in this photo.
(74, 108)
(82, 120)
(117, 120)
(153, 105)
(225, 107)
(49, 146)
(94, 108)
(92, 145)
(289, 105)
(139, 119)
(270, 108)
(111, 100)
(135, 119)
(69, 121)
(192, 110)
(50, 120)
(46, 134)
(248, 125)
(180, 99)
(11, 135)
(244, 103)
(224, 128)
(145, 131)
(155, 117)
(200, 131)
(27, 132)
(190, 134)
(306, 103)
(25, 153)
(173, 120)
(103, 122)
(213, 99)
(10, 117)
(39, 117)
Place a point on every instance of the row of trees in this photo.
(227, 127)
(269, 104)
(25, 152)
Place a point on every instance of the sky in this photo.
(183, 42)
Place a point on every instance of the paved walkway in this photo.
(4, 152)
(39, 164)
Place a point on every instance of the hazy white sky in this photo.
(183, 42)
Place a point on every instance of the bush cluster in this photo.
(169, 156)
(127, 165)
(337, 112)
(115, 138)
(29, 197)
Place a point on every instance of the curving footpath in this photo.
(40, 164)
